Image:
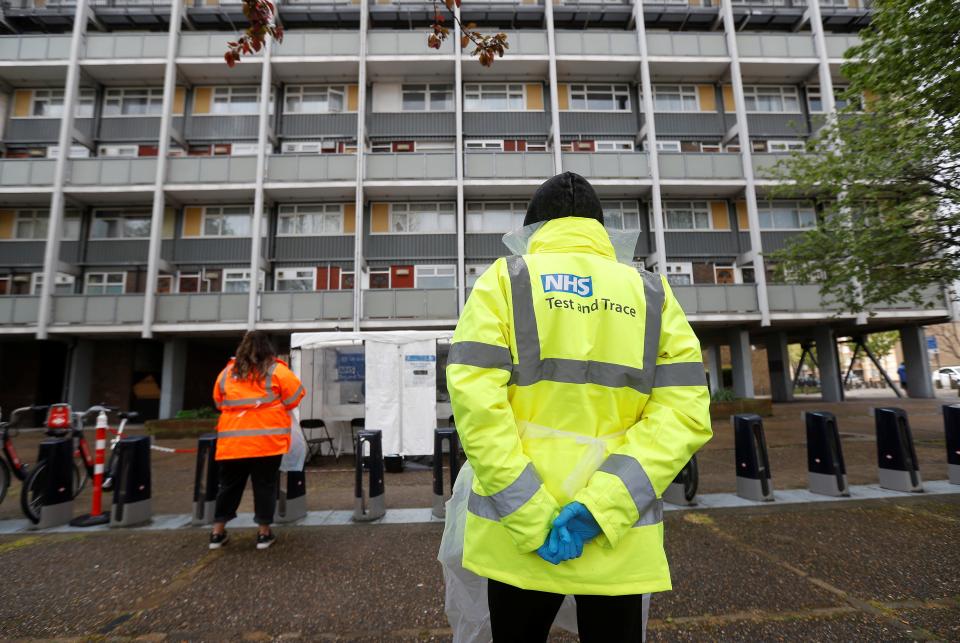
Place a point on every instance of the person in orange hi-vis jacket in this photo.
(255, 394)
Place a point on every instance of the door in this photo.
(401, 277)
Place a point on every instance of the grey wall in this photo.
(402, 247)
(313, 248)
(707, 125)
(412, 124)
(222, 128)
(495, 124)
(701, 244)
(42, 130)
(317, 125)
(775, 240)
(116, 251)
(203, 251)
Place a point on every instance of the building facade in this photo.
(155, 204)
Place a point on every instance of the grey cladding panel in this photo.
(411, 246)
(777, 125)
(314, 248)
(701, 244)
(776, 240)
(131, 129)
(222, 128)
(319, 125)
(211, 250)
(116, 251)
(599, 123)
(515, 124)
(69, 251)
(671, 124)
(411, 125)
(32, 130)
(21, 253)
(484, 247)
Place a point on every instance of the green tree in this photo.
(881, 344)
(886, 171)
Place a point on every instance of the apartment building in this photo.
(155, 204)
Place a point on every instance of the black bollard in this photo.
(826, 472)
(132, 503)
(896, 457)
(55, 482)
(453, 445)
(206, 480)
(369, 506)
(683, 490)
(291, 497)
(753, 465)
(951, 424)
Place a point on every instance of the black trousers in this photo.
(263, 472)
(525, 616)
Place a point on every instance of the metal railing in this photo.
(507, 165)
(707, 299)
(607, 165)
(700, 166)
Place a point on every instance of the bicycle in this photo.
(13, 465)
(110, 470)
(59, 417)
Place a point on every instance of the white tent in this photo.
(387, 377)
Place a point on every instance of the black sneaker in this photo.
(264, 541)
(218, 540)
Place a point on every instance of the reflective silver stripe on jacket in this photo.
(532, 369)
(250, 433)
(680, 374)
(480, 354)
(293, 398)
(503, 503)
(250, 401)
(635, 479)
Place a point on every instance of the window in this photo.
(492, 97)
(227, 221)
(48, 103)
(71, 226)
(119, 151)
(675, 98)
(243, 149)
(133, 102)
(600, 98)
(319, 147)
(418, 218)
(772, 99)
(427, 98)
(663, 146)
(495, 217)
(236, 281)
(76, 152)
(310, 220)
(235, 100)
(687, 215)
(785, 146)
(118, 225)
(614, 146)
(188, 282)
(491, 145)
(436, 277)
(62, 284)
(106, 283)
(299, 279)
(787, 216)
(621, 215)
(815, 99)
(709, 148)
(314, 99)
(31, 224)
(680, 274)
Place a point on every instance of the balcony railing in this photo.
(403, 43)
(43, 47)
(764, 164)
(740, 298)
(312, 167)
(217, 169)
(775, 46)
(686, 44)
(108, 171)
(26, 172)
(527, 43)
(306, 306)
(508, 165)
(119, 45)
(807, 298)
(607, 165)
(420, 165)
(410, 304)
(597, 43)
(204, 45)
(318, 43)
(837, 44)
(700, 166)
(18, 310)
(96, 310)
(205, 307)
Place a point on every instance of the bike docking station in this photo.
(132, 499)
(291, 497)
(683, 490)
(951, 424)
(448, 435)
(753, 465)
(371, 505)
(205, 481)
(896, 457)
(57, 504)
(96, 516)
(826, 472)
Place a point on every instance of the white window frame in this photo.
(125, 151)
(786, 146)
(61, 279)
(114, 98)
(76, 152)
(584, 89)
(238, 276)
(322, 146)
(765, 211)
(108, 280)
(663, 146)
(434, 270)
(428, 90)
(83, 109)
(295, 274)
(298, 91)
(628, 210)
(694, 208)
(302, 212)
(402, 211)
(229, 92)
(711, 148)
(475, 91)
(685, 92)
(35, 219)
(483, 144)
(122, 218)
(598, 146)
(210, 212)
(244, 149)
(476, 211)
(784, 93)
(675, 269)
(838, 90)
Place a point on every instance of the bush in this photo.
(723, 395)
(205, 413)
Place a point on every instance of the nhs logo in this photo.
(573, 284)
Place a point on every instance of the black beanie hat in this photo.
(565, 195)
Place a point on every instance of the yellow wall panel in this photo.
(563, 97)
(21, 102)
(743, 220)
(192, 222)
(380, 217)
(7, 218)
(353, 94)
(349, 218)
(202, 99)
(728, 103)
(719, 215)
(535, 97)
(708, 98)
(179, 100)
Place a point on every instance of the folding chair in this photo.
(316, 434)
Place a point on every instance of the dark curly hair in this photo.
(254, 356)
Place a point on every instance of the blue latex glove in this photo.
(560, 545)
(578, 520)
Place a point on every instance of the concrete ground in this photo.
(859, 570)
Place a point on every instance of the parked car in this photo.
(948, 376)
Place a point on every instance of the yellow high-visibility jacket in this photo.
(574, 377)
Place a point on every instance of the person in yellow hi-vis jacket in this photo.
(579, 393)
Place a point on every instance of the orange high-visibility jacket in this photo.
(253, 412)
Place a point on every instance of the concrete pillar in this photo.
(741, 358)
(714, 367)
(778, 361)
(831, 388)
(80, 374)
(917, 360)
(172, 377)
